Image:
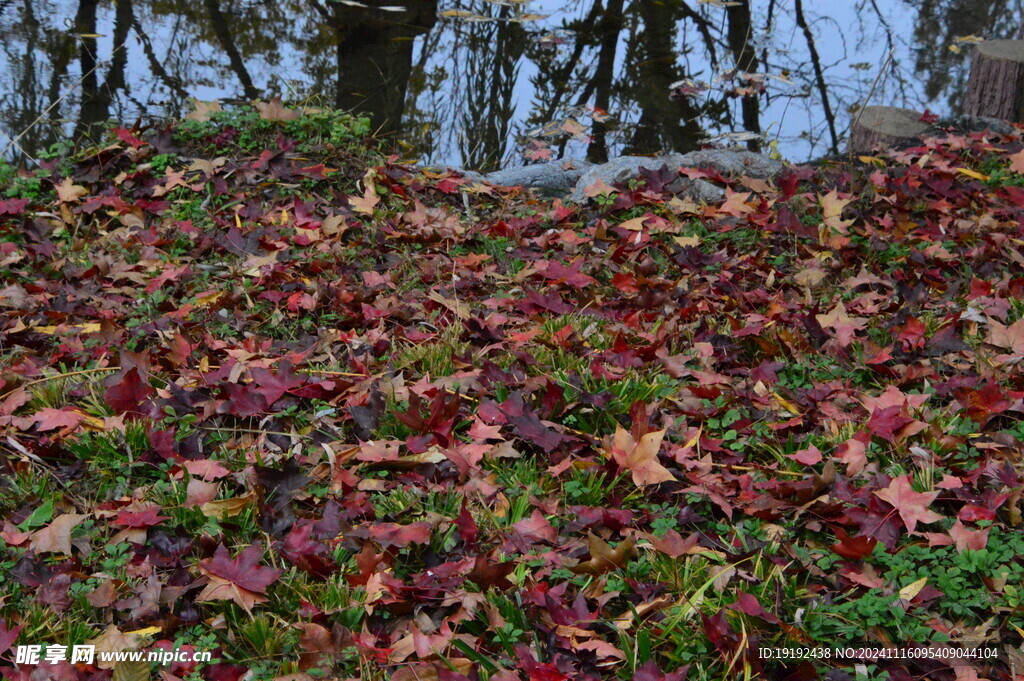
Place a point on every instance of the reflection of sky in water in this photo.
(844, 36)
(846, 33)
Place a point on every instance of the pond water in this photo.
(488, 83)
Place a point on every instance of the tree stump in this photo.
(995, 87)
(884, 126)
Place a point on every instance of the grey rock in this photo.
(727, 162)
(980, 123)
(553, 177)
(733, 162)
(701, 190)
(468, 174)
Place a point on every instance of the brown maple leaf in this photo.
(113, 640)
(69, 192)
(1017, 162)
(911, 505)
(597, 188)
(603, 558)
(203, 110)
(1007, 337)
(56, 537)
(832, 210)
(274, 110)
(640, 458)
(736, 203)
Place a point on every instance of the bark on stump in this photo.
(995, 87)
(884, 126)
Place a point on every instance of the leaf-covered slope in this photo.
(269, 394)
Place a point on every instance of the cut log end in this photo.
(995, 87)
(1006, 50)
(884, 126)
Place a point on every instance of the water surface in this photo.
(484, 83)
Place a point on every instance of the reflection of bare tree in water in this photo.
(24, 102)
(456, 87)
(374, 56)
(222, 30)
(651, 69)
(940, 22)
(94, 110)
(660, 38)
(490, 80)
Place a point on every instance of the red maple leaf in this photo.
(273, 385)
(146, 518)
(892, 423)
(126, 390)
(558, 273)
(51, 419)
(240, 579)
(127, 137)
(13, 206)
(242, 401)
(968, 539)
(536, 528)
(7, 636)
(393, 534)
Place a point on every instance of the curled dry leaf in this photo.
(604, 558)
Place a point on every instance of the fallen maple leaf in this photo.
(366, 203)
(126, 389)
(273, 385)
(393, 534)
(228, 508)
(853, 453)
(597, 188)
(203, 110)
(640, 458)
(51, 419)
(56, 537)
(807, 457)
(911, 505)
(843, 324)
(240, 579)
(274, 110)
(69, 192)
(1017, 162)
(207, 469)
(200, 493)
(536, 528)
(603, 558)
(649, 671)
(964, 539)
(736, 203)
(832, 210)
(1007, 337)
(7, 636)
(672, 544)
